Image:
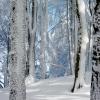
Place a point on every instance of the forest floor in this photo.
(53, 89)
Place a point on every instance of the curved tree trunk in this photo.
(85, 40)
(81, 58)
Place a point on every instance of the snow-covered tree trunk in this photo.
(5, 75)
(32, 31)
(85, 41)
(43, 32)
(72, 33)
(95, 81)
(79, 81)
(17, 53)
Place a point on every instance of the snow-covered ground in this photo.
(52, 89)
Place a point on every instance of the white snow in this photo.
(52, 89)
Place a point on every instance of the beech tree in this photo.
(17, 54)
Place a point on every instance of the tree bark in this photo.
(95, 81)
(85, 40)
(81, 58)
(17, 53)
(43, 32)
(32, 25)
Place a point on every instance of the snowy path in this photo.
(56, 89)
(52, 89)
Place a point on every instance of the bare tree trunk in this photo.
(95, 81)
(32, 18)
(72, 33)
(43, 32)
(17, 54)
(85, 40)
(32, 24)
(81, 58)
(6, 74)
